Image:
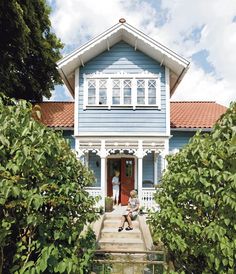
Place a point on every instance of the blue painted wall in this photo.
(179, 139)
(148, 170)
(122, 57)
(68, 135)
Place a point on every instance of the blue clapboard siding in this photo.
(68, 135)
(122, 57)
(148, 170)
(94, 164)
(179, 139)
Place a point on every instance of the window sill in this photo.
(123, 107)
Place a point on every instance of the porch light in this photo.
(127, 144)
(116, 144)
(90, 144)
(153, 144)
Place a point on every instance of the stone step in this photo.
(115, 216)
(116, 223)
(121, 244)
(110, 232)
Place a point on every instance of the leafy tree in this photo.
(28, 50)
(44, 207)
(198, 202)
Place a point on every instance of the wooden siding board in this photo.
(180, 139)
(68, 135)
(122, 57)
(148, 170)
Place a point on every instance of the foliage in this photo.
(198, 202)
(28, 50)
(43, 204)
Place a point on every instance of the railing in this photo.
(95, 192)
(147, 200)
(132, 262)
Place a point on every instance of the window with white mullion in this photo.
(140, 92)
(116, 89)
(127, 92)
(109, 93)
(152, 92)
(92, 91)
(146, 92)
(102, 96)
(134, 92)
(97, 91)
(122, 92)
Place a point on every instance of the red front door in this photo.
(126, 168)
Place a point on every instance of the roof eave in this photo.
(75, 57)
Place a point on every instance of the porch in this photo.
(140, 162)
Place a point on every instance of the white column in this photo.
(103, 154)
(79, 152)
(155, 168)
(140, 154)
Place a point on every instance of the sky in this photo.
(202, 31)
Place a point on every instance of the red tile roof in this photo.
(57, 114)
(183, 114)
(195, 114)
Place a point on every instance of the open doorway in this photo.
(126, 168)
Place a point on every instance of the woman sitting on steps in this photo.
(131, 211)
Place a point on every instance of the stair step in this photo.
(116, 223)
(121, 244)
(110, 232)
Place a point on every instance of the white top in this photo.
(115, 183)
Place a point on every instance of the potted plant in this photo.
(108, 204)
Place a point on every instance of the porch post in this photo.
(155, 168)
(103, 155)
(140, 155)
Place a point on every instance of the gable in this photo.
(138, 40)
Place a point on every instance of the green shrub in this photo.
(43, 204)
(198, 202)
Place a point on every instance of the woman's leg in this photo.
(128, 217)
(122, 221)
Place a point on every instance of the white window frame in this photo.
(122, 76)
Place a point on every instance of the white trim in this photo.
(155, 157)
(131, 35)
(121, 76)
(76, 104)
(120, 134)
(130, 30)
(167, 91)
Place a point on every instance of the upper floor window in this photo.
(122, 90)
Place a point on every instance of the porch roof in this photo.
(183, 115)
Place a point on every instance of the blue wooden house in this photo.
(122, 118)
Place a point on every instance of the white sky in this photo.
(202, 31)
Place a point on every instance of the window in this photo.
(140, 92)
(152, 92)
(127, 92)
(91, 92)
(114, 90)
(102, 92)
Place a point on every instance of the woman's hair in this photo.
(133, 192)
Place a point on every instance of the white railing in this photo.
(147, 200)
(95, 192)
